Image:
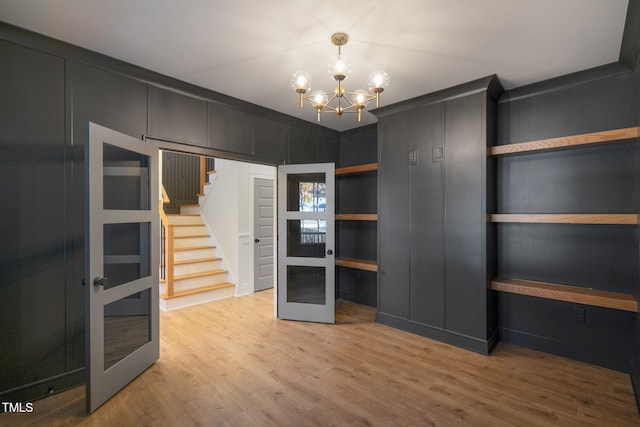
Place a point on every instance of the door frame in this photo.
(252, 221)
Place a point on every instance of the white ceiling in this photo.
(250, 48)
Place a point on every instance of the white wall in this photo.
(227, 210)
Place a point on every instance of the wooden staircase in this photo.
(193, 273)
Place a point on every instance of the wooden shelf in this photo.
(357, 169)
(360, 264)
(566, 141)
(573, 294)
(566, 218)
(357, 217)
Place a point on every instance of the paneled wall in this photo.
(35, 242)
(49, 91)
(435, 189)
(600, 179)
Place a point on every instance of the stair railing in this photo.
(166, 239)
(203, 173)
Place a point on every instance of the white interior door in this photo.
(263, 234)
(121, 261)
(306, 260)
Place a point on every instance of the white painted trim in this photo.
(244, 284)
(252, 200)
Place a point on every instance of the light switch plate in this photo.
(413, 156)
(438, 153)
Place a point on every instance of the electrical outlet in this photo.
(579, 315)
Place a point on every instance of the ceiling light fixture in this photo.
(339, 70)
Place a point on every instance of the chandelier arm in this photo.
(339, 69)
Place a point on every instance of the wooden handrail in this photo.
(165, 196)
(203, 173)
(168, 247)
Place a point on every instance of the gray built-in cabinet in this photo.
(436, 186)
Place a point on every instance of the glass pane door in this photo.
(121, 272)
(306, 252)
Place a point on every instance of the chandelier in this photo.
(340, 100)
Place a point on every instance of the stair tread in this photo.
(189, 225)
(184, 214)
(193, 248)
(197, 260)
(198, 290)
(189, 205)
(201, 274)
(191, 236)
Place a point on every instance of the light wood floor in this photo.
(230, 363)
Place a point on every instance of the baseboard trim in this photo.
(563, 349)
(46, 387)
(466, 342)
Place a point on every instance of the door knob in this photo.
(101, 281)
(329, 252)
(256, 240)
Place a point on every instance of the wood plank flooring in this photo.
(230, 363)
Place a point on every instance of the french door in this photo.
(306, 260)
(121, 261)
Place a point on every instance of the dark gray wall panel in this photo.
(587, 180)
(359, 146)
(117, 102)
(328, 146)
(230, 130)
(358, 286)
(630, 40)
(32, 252)
(303, 146)
(179, 117)
(270, 139)
(465, 217)
(491, 240)
(548, 325)
(357, 239)
(592, 106)
(599, 179)
(393, 214)
(181, 179)
(635, 365)
(108, 99)
(427, 217)
(357, 193)
(596, 256)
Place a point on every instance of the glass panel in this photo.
(306, 192)
(306, 237)
(126, 179)
(126, 326)
(126, 252)
(306, 285)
